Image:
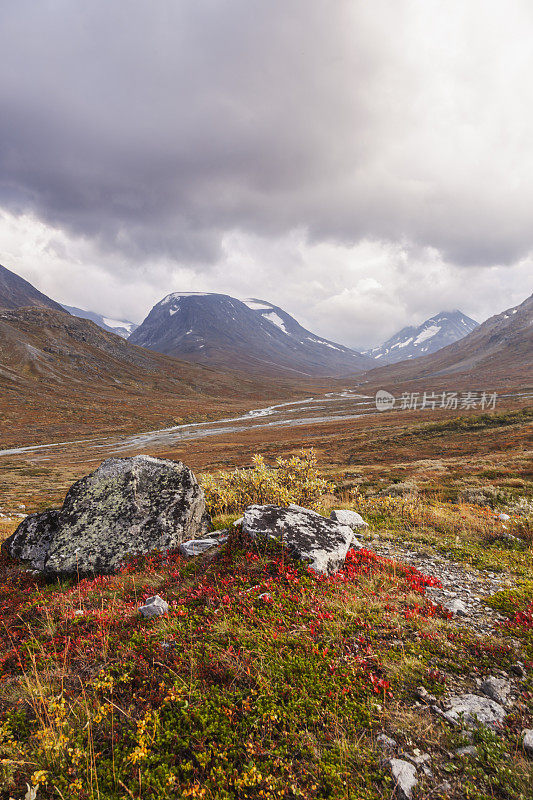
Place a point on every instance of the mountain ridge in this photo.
(16, 292)
(220, 330)
(120, 327)
(500, 350)
(432, 335)
(60, 373)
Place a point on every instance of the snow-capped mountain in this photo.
(433, 334)
(121, 327)
(499, 351)
(219, 330)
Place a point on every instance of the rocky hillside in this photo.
(221, 331)
(432, 335)
(15, 292)
(61, 376)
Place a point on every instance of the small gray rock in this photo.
(404, 775)
(461, 752)
(386, 743)
(527, 742)
(346, 517)
(423, 694)
(194, 547)
(498, 689)
(457, 607)
(154, 606)
(471, 710)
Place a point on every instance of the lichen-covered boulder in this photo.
(308, 536)
(127, 506)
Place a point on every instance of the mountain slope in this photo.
(432, 335)
(499, 351)
(15, 292)
(222, 331)
(121, 327)
(62, 377)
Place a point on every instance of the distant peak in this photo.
(177, 295)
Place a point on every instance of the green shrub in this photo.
(292, 480)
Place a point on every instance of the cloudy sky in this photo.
(362, 164)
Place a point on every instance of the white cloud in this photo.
(358, 295)
(363, 164)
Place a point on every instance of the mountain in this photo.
(15, 292)
(497, 352)
(221, 331)
(62, 377)
(121, 327)
(432, 335)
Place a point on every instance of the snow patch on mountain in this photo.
(273, 317)
(120, 327)
(427, 333)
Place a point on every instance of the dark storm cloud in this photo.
(155, 127)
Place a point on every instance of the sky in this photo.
(363, 165)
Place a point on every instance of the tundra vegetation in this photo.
(265, 680)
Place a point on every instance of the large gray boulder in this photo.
(308, 536)
(127, 506)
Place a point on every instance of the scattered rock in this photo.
(421, 760)
(527, 742)
(307, 535)
(404, 775)
(518, 669)
(470, 750)
(423, 694)
(194, 547)
(127, 506)
(456, 607)
(467, 584)
(498, 689)
(351, 518)
(386, 743)
(508, 537)
(504, 517)
(154, 606)
(471, 710)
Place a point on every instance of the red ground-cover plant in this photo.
(257, 654)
